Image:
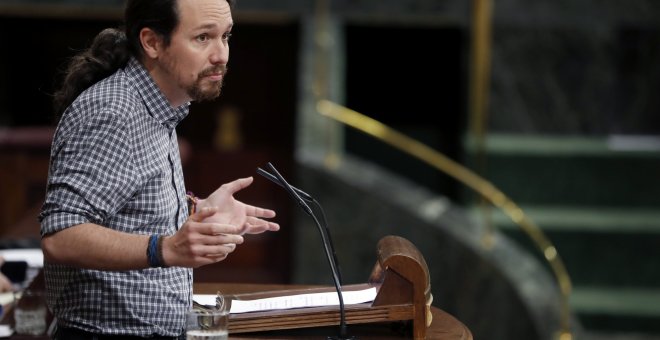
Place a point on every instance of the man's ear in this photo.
(152, 43)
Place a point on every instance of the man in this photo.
(118, 240)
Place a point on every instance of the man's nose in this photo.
(220, 53)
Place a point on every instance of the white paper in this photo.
(6, 298)
(33, 256)
(6, 331)
(292, 301)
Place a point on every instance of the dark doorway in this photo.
(411, 79)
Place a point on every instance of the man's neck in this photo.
(167, 85)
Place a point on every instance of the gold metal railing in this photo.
(470, 179)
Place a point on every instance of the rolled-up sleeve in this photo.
(91, 173)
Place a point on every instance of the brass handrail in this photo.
(464, 175)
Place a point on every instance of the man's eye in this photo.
(226, 36)
(202, 37)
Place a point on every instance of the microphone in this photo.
(275, 180)
(308, 198)
(298, 195)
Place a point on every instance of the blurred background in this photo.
(554, 102)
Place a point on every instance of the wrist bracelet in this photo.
(192, 202)
(152, 251)
(159, 251)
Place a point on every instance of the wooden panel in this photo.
(24, 157)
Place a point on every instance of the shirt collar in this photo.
(157, 105)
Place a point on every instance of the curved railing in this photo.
(470, 179)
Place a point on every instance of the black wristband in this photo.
(152, 251)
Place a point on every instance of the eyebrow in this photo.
(212, 26)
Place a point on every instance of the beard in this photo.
(201, 91)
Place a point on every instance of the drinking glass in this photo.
(30, 313)
(208, 323)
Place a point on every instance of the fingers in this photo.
(218, 251)
(201, 241)
(207, 254)
(237, 185)
(203, 213)
(200, 244)
(255, 226)
(251, 210)
(215, 234)
(265, 225)
(207, 227)
(220, 239)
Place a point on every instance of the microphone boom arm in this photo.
(294, 192)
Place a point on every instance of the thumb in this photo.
(203, 213)
(238, 184)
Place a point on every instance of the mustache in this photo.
(214, 70)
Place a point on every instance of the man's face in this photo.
(196, 59)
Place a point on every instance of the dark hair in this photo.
(107, 53)
(160, 16)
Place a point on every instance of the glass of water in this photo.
(210, 323)
(30, 313)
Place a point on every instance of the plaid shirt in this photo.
(115, 162)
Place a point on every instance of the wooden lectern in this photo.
(400, 275)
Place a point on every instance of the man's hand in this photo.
(200, 242)
(5, 284)
(231, 211)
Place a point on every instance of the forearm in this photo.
(95, 247)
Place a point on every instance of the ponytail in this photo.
(108, 53)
